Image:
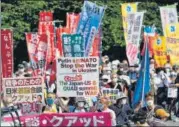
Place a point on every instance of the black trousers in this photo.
(161, 95)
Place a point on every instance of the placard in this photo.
(78, 77)
(23, 89)
(172, 92)
(111, 93)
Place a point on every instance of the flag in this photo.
(89, 23)
(45, 16)
(172, 30)
(37, 45)
(151, 36)
(6, 53)
(160, 51)
(143, 83)
(125, 9)
(72, 20)
(133, 38)
(168, 15)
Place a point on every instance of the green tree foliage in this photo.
(22, 16)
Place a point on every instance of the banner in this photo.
(172, 30)
(78, 77)
(73, 45)
(89, 23)
(132, 46)
(6, 53)
(168, 15)
(59, 32)
(37, 50)
(150, 36)
(45, 27)
(97, 43)
(125, 9)
(111, 93)
(30, 108)
(45, 16)
(173, 50)
(160, 51)
(72, 20)
(23, 89)
(66, 120)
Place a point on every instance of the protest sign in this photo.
(66, 119)
(168, 15)
(45, 16)
(127, 8)
(173, 50)
(172, 30)
(37, 49)
(23, 89)
(172, 93)
(89, 23)
(73, 45)
(72, 20)
(160, 51)
(77, 77)
(111, 93)
(132, 47)
(6, 53)
(30, 108)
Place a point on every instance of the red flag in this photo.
(96, 44)
(7, 53)
(72, 20)
(37, 49)
(45, 16)
(59, 32)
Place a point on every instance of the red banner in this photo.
(72, 20)
(37, 48)
(59, 32)
(7, 53)
(67, 120)
(96, 44)
(45, 16)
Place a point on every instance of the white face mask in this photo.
(81, 104)
(124, 101)
(115, 80)
(150, 103)
(21, 70)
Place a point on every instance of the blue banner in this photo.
(73, 45)
(89, 23)
(143, 82)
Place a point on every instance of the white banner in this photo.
(134, 32)
(168, 15)
(23, 89)
(77, 77)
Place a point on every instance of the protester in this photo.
(51, 107)
(103, 106)
(80, 105)
(122, 110)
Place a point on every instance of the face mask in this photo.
(22, 70)
(115, 80)
(100, 106)
(167, 69)
(124, 101)
(81, 104)
(150, 103)
(50, 101)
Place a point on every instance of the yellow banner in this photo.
(160, 54)
(173, 50)
(172, 30)
(127, 8)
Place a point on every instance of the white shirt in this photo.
(160, 82)
(77, 110)
(113, 116)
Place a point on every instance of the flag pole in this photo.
(143, 84)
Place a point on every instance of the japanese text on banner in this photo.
(6, 53)
(74, 77)
(23, 89)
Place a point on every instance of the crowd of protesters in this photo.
(117, 75)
